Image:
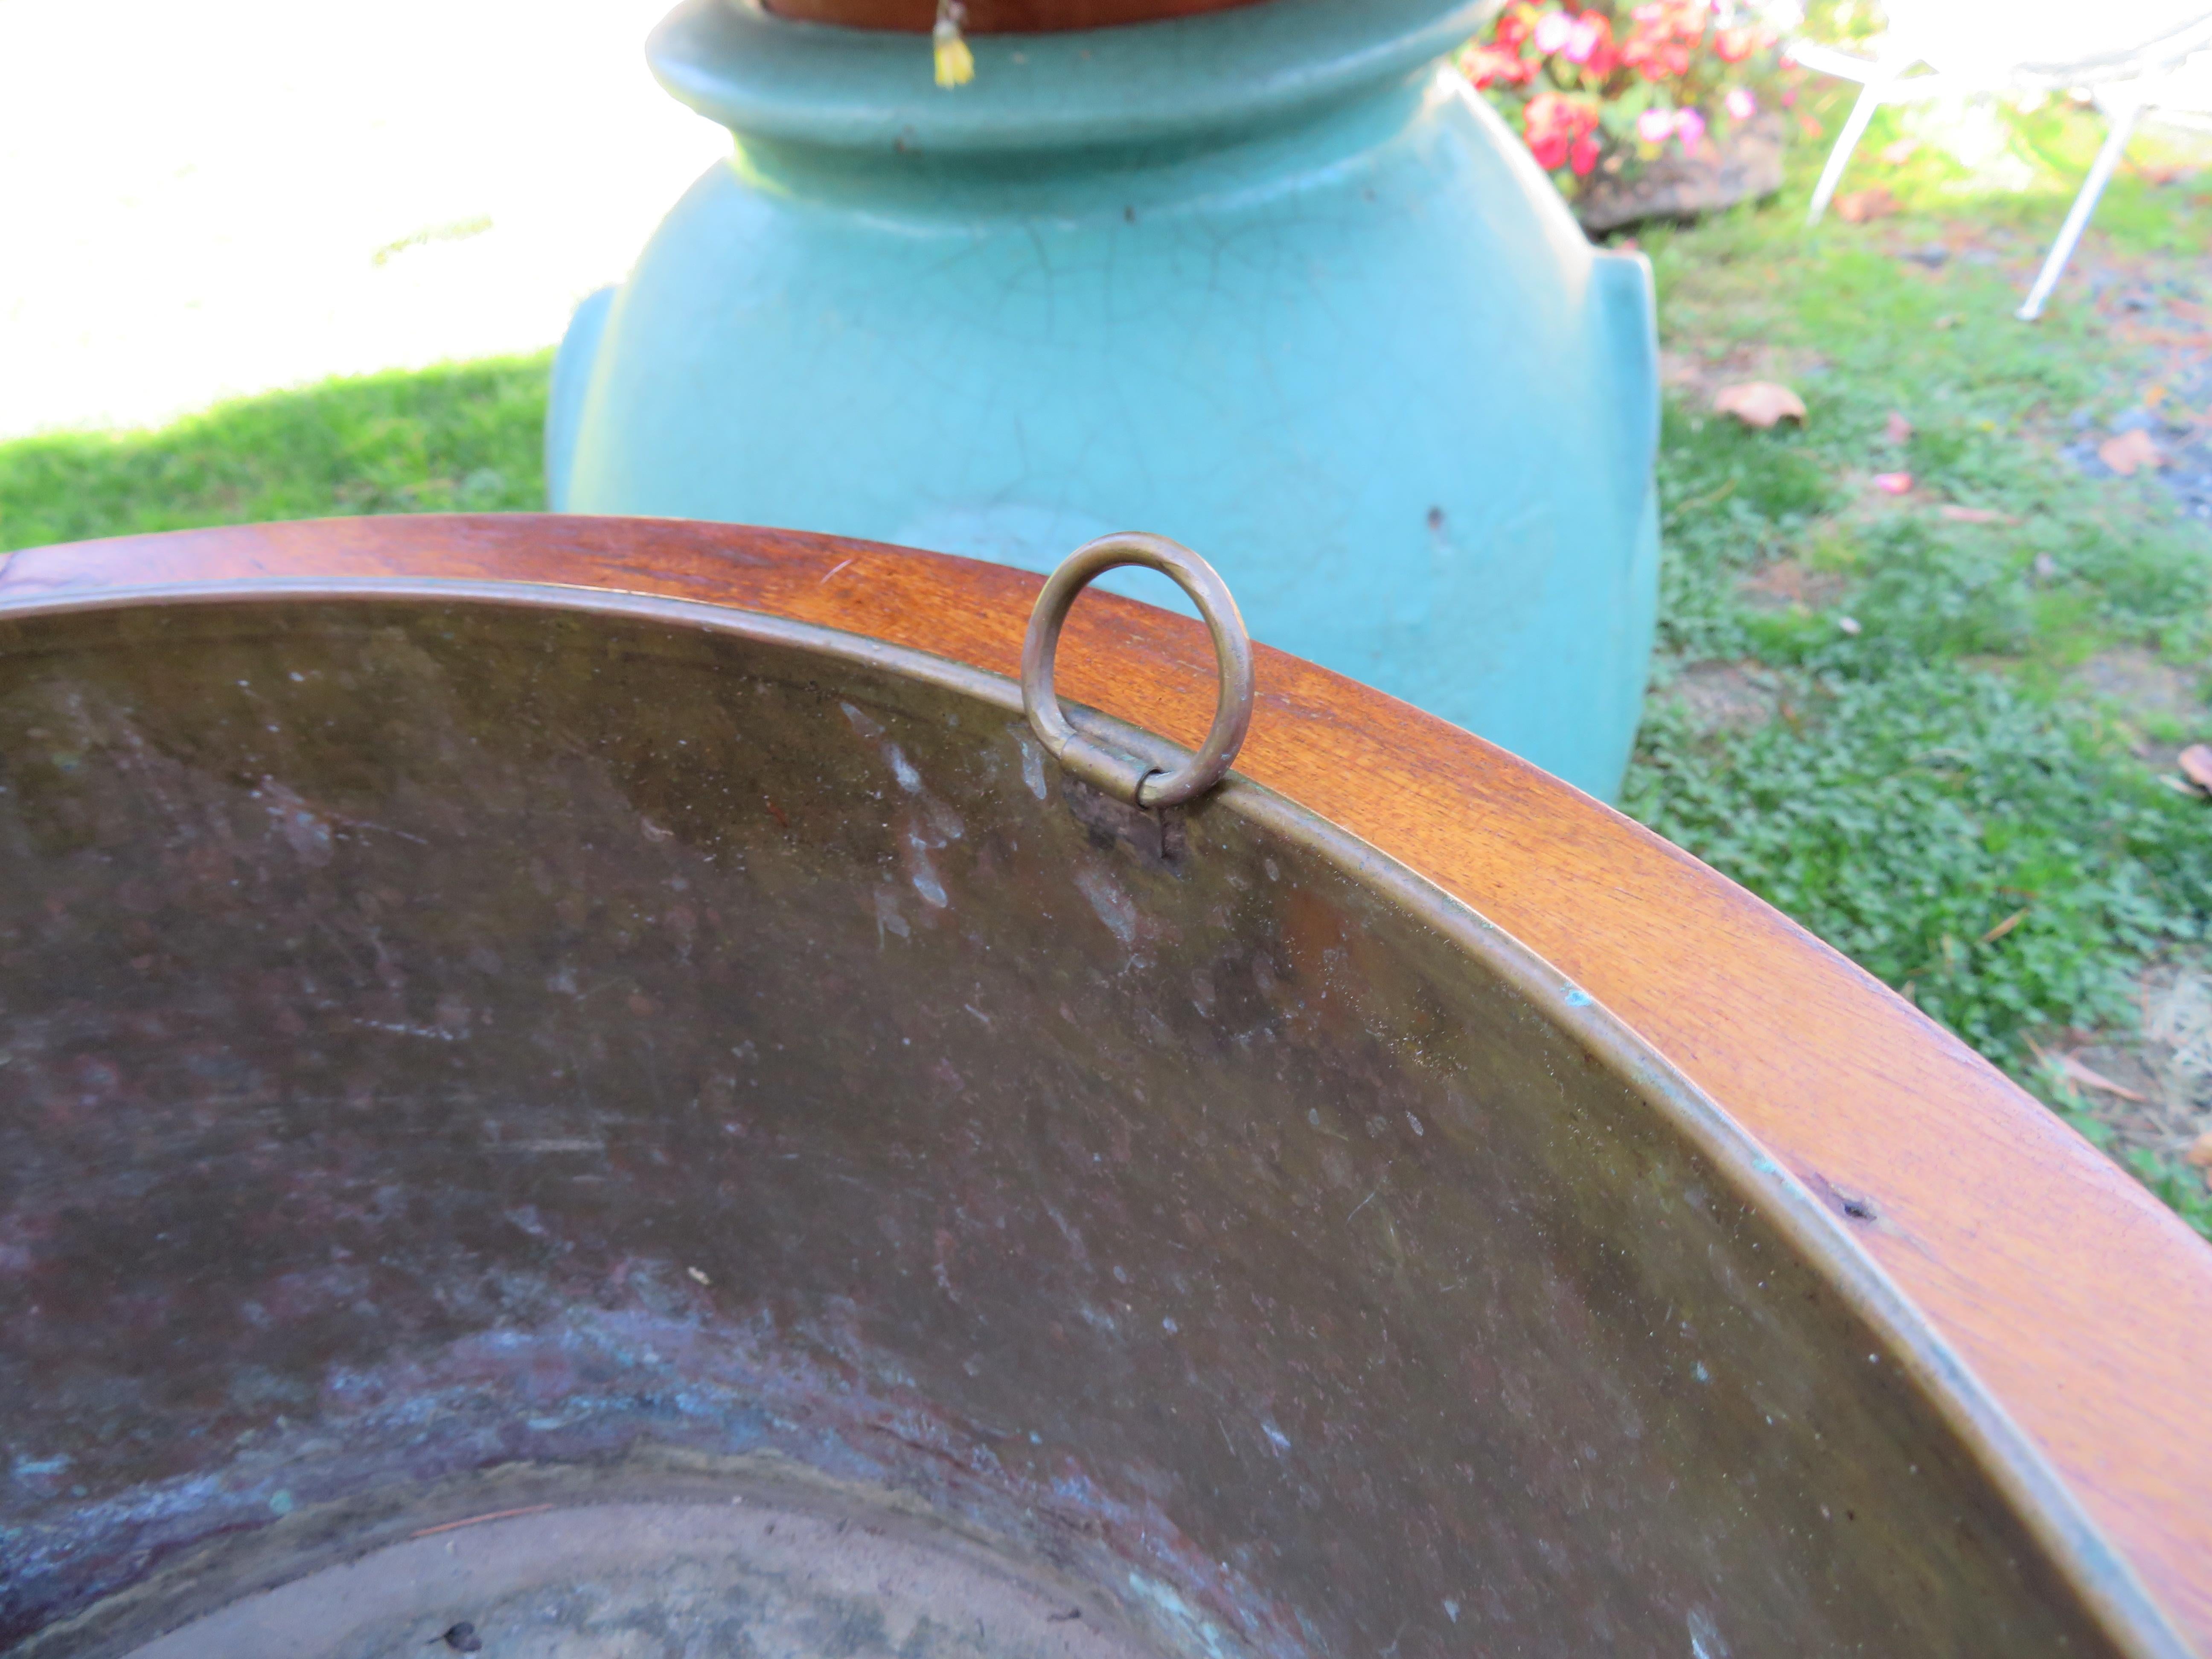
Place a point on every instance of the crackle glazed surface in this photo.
(1272, 281)
(472, 1058)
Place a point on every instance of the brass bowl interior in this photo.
(555, 1053)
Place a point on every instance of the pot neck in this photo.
(1188, 83)
(994, 16)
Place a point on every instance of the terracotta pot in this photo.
(994, 16)
(1748, 165)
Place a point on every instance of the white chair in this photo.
(2132, 55)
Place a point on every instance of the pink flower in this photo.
(1652, 52)
(1690, 127)
(1582, 156)
(1733, 45)
(1589, 44)
(1740, 105)
(1486, 66)
(1553, 32)
(1655, 126)
(1893, 484)
(1552, 125)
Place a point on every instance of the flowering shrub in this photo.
(1607, 87)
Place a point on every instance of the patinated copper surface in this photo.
(460, 1043)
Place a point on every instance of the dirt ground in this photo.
(2158, 1087)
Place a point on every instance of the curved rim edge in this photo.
(2103, 1581)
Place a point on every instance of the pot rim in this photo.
(1144, 84)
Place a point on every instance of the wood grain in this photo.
(995, 16)
(2079, 1301)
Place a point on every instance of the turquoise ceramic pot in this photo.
(1270, 282)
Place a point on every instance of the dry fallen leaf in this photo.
(2195, 763)
(1893, 483)
(1896, 429)
(2129, 451)
(2003, 927)
(1858, 206)
(2074, 1072)
(1899, 153)
(1985, 515)
(2200, 1152)
(1759, 402)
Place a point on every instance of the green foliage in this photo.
(2180, 1186)
(1933, 798)
(1905, 816)
(1731, 498)
(1774, 475)
(464, 438)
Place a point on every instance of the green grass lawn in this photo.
(463, 439)
(1941, 745)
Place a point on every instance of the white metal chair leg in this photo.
(1854, 128)
(2085, 204)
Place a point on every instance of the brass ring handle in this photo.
(1125, 776)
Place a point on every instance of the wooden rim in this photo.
(2078, 1301)
(994, 16)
